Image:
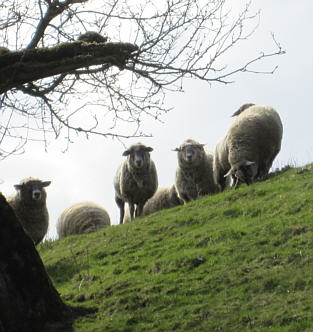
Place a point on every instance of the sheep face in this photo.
(32, 190)
(243, 172)
(138, 156)
(190, 154)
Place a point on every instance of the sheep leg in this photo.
(266, 165)
(132, 210)
(200, 191)
(221, 180)
(262, 171)
(267, 168)
(236, 183)
(139, 209)
(184, 197)
(121, 204)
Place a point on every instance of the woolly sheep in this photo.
(82, 218)
(135, 180)
(29, 205)
(4, 50)
(252, 142)
(164, 198)
(194, 173)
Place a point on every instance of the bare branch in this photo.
(54, 9)
(56, 86)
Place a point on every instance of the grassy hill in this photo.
(237, 261)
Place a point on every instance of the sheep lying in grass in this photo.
(136, 180)
(81, 218)
(4, 50)
(194, 173)
(164, 198)
(29, 205)
(252, 142)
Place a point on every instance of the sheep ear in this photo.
(126, 153)
(177, 149)
(18, 186)
(45, 183)
(148, 149)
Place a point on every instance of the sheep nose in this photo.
(189, 157)
(36, 195)
(138, 163)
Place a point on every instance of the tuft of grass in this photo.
(241, 260)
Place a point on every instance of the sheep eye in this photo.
(196, 148)
(187, 148)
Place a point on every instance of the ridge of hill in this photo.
(241, 260)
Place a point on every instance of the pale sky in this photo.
(203, 113)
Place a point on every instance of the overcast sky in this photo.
(202, 112)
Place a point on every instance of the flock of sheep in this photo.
(245, 154)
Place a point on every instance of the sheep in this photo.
(164, 198)
(82, 218)
(136, 180)
(29, 205)
(194, 173)
(247, 151)
(4, 50)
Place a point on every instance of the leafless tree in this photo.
(54, 86)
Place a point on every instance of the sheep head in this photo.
(190, 153)
(242, 172)
(138, 155)
(32, 190)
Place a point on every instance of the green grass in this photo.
(237, 261)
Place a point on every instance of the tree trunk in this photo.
(28, 299)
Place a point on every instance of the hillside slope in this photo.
(237, 261)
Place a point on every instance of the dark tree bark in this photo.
(28, 299)
(17, 68)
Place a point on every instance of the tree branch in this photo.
(75, 88)
(29, 65)
(55, 8)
